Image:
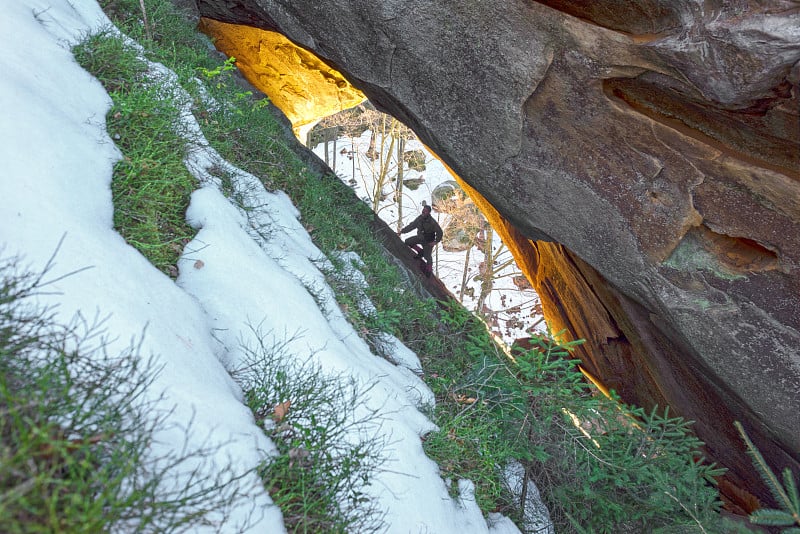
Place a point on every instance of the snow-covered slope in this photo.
(57, 164)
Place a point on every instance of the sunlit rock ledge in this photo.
(302, 86)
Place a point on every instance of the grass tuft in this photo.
(150, 186)
(77, 426)
(320, 476)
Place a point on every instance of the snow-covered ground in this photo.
(516, 311)
(57, 165)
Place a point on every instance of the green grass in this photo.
(490, 408)
(76, 428)
(319, 476)
(151, 185)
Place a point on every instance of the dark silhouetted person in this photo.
(429, 233)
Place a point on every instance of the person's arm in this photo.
(438, 234)
(410, 226)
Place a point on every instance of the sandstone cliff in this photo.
(641, 158)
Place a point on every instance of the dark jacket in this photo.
(426, 226)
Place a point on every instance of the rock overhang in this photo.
(659, 154)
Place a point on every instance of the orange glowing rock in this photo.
(295, 80)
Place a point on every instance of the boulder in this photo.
(641, 159)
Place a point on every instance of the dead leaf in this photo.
(280, 411)
(463, 399)
(199, 264)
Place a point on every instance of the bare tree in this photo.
(383, 167)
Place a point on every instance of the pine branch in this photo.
(788, 496)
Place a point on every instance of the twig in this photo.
(699, 524)
(148, 32)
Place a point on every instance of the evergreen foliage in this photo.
(785, 492)
(601, 466)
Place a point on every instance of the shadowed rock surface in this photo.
(641, 159)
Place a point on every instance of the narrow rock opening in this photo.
(729, 147)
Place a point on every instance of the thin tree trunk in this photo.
(148, 31)
(354, 154)
(398, 188)
(371, 147)
(487, 276)
(435, 258)
(523, 497)
(384, 168)
(464, 276)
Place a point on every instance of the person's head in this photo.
(426, 210)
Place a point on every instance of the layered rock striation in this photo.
(641, 158)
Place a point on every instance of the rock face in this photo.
(313, 90)
(642, 158)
